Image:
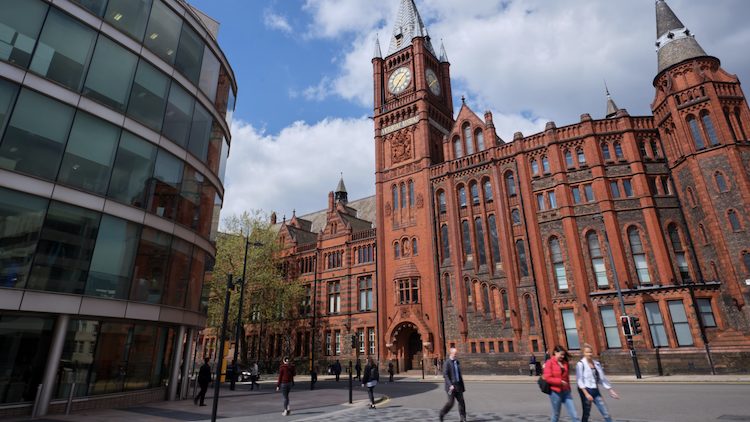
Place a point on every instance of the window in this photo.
(165, 185)
(746, 261)
(129, 16)
(738, 118)
(666, 186)
(487, 191)
(337, 341)
(615, 189)
(175, 288)
(540, 204)
(457, 148)
(530, 310)
(462, 196)
(639, 256)
(19, 240)
(465, 238)
(588, 192)
(679, 252)
(403, 195)
(510, 183)
(8, 93)
(334, 297)
(200, 133)
(491, 344)
(328, 343)
(447, 291)
(132, 170)
(709, 128)
(482, 348)
(361, 340)
(151, 265)
(696, 132)
(552, 200)
(64, 50)
(365, 293)
(111, 74)
(642, 149)
(656, 325)
(444, 242)
(408, 291)
(605, 151)
(189, 55)
(734, 221)
(545, 164)
(371, 340)
(515, 216)
(523, 266)
(474, 193)
(148, 96)
(571, 331)
(721, 182)
(178, 116)
(691, 197)
(704, 237)
(506, 307)
(597, 260)
(411, 193)
(558, 267)
(467, 288)
(569, 159)
(306, 305)
(707, 314)
(611, 331)
(480, 140)
(441, 202)
(618, 150)
(480, 241)
(20, 26)
(654, 148)
(469, 141)
(486, 299)
(394, 192)
(414, 250)
(94, 6)
(680, 323)
(473, 347)
(210, 71)
(581, 157)
(494, 241)
(33, 148)
(627, 188)
(576, 194)
(163, 32)
(534, 167)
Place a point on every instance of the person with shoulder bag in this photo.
(285, 383)
(589, 375)
(557, 375)
(370, 379)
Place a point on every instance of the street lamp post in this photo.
(238, 329)
(222, 339)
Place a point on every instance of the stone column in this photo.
(176, 357)
(188, 363)
(53, 363)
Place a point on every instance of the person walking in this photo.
(370, 379)
(204, 377)
(589, 374)
(454, 385)
(557, 375)
(254, 375)
(532, 364)
(390, 371)
(285, 383)
(233, 372)
(337, 369)
(358, 368)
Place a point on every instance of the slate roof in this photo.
(408, 26)
(674, 43)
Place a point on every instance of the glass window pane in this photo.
(151, 262)
(24, 342)
(164, 187)
(109, 367)
(223, 160)
(65, 248)
(680, 323)
(143, 344)
(88, 157)
(110, 75)
(706, 312)
(175, 289)
(30, 147)
(21, 218)
(163, 32)
(8, 91)
(76, 359)
(197, 271)
(95, 6)
(610, 327)
(571, 331)
(149, 96)
(215, 142)
(207, 209)
(20, 24)
(200, 132)
(64, 50)
(132, 170)
(209, 74)
(189, 55)
(129, 16)
(178, 116)
(656, 325)
(188, 212)
(112, 262)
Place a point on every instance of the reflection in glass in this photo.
(197, 270)
(94, 6)
(215, 221)
(150, 271)
(209, 74)
(110, 75)
(112, 262)
(178, 116)
(148, 96)
(215, 142)
(163, 32)
(64, 50)
(109, 367)
(189, 55)
(164, 187)
(24, 342)
(77, 357)
(20, 23)
(65, 247)
(223, 160)
(143, 344)
(21, 218)
(132, 170)
(207, 209)
(188, 212)
(200, 132)
(30, 147)
(8, 93)
(129, 16)
(89, 154)
(175, 289)
(206, 290)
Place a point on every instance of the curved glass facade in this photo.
(114, 136)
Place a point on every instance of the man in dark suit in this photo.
(204, 377)
(454, 385)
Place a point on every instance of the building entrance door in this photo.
(409, 347)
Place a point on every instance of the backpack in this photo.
(373, 373)
(543, 385)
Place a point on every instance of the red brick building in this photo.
(504, 249)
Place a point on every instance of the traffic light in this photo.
(627, 329)
(354, 341)
(635, 325)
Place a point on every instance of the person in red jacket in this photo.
(285, 383)
(557, 376)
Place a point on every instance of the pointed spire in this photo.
(674, 42)
(377, 54)
(341, 194)
(408, 26)
(443, 57)
(612, 108)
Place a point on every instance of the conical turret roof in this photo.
(674, 42)
(408, 26)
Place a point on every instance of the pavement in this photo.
(413, 400)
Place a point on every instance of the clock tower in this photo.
(413, 114)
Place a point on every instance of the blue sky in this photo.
(305, 77)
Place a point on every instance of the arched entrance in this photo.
(408, 346)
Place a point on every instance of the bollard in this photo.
(70, 398)
(35, 409)
(350, 382)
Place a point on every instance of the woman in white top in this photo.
(589, 374)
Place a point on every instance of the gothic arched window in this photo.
(397, 250)
(581, 156)
(639, 256)
(558, 267)
(480, 140)
(468, 139)
(486, 299)
(411, 193)
(597, 260)
(523, 266)
(441, 202)
(487, 191)
(708, 126)
(739, 123)
(618, 150)
(530, 310)
(569, 159)
(695, 131)
(394, 191)
(444, 242)
(480, 241)
(467, 289)
(474, 193)
(510, 183)
(679, 252)
(458, 150)
(466, 238)
(462, 196)
(414, 246)
(691, 197)
(515, 216)
(734, 221)
(447, 289)
(545, 164)
(721, 182)
(403, 195)
(605, 151)
(494, 241)
(746, 261)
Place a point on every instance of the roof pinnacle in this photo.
(408, 26)
(675, 43)
(377, 54)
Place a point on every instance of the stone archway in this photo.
(407, 346)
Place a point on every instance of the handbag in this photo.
(543, 385)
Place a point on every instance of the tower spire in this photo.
(341, 195)
(443, 56)
(674, 42)
(377, 54)
(408, 26)
(612, 108)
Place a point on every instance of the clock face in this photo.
(399, 80)
(432, 81)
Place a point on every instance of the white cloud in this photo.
(332, 18)
(296, 168)
(276, 21)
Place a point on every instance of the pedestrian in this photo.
(589, 374)
(337, 369)
(454, 385)
(358, 368)
(285, 383)
(204, 377)
(390, 371)
(532, 364)
(313, 378)
(370, 379)
(557, 375)
(254, 375)
(232, 373)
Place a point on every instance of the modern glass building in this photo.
(114, 136)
